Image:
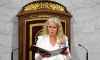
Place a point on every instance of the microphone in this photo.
(80, 45)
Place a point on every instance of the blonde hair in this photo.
(57, 21)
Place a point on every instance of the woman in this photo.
(53, 38)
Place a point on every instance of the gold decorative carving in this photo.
(42, 5)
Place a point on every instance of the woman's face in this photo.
(52, 28)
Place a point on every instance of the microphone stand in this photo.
(85, 50)
(12, 53)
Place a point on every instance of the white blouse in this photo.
(43, 42)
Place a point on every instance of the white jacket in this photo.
(43, 42)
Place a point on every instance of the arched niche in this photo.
(31, 20)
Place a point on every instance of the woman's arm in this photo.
(67, 50)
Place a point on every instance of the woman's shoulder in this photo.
(65, 37)
(42, 36)
(41, 40)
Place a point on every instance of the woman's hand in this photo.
(65, 51)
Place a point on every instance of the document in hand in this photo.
(51, 53)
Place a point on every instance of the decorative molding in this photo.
(44, 5)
